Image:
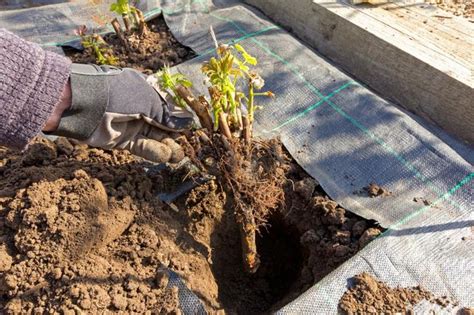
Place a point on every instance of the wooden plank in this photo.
(406, 52)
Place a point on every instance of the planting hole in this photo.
(281, 261)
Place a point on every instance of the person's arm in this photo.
(32, 82)
(63, 104)
(102, 106)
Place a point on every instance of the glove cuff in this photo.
(90, 96)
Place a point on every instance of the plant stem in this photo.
(247, 228)
(99, 57)
(239, 118)
(118, 30)
(247, 132)
(142, 28)
(251, 108)
(198, 106)
(224, 126)
(126, 21)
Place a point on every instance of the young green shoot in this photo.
(96, 44)
(170, 82)
(232, 109)
(224, 73)
(132, 17)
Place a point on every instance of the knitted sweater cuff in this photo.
(31, 84)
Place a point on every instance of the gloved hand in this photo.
(117, 108)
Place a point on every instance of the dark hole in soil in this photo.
(303, 242)
(281, 256)
(281, 261)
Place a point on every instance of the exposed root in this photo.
(254, 176)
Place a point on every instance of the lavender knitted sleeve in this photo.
(31, 84)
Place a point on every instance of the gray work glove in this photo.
(117, 108)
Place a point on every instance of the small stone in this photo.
(365, 280)
(11, 281)
(67, 311)
(131, 285)
(371, 309)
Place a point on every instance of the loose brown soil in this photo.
(83, 230)
(374, 190)
(148, 53)
(371, 296)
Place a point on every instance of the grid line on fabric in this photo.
(463, 182)
(427, 182)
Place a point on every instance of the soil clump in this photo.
(84, 230)
(374, 190)
(371, 296)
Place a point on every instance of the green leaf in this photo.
(120, 7)
(250, 59)
(240, 48)
(241, 65)
(247, 57)
(186, 83)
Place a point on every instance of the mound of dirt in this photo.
(370, 296)
(147, 54)
(82, 230)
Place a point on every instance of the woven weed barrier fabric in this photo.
(342, 134)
